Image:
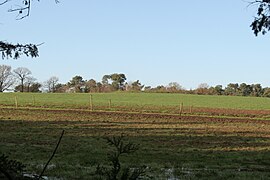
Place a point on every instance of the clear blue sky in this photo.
(154, 41)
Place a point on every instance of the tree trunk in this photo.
(22, 85)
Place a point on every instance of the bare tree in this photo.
(51, 83)
(203, 88)
(6, 77)
(22, 74)
(174, 87)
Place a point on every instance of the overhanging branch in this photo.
(24, 9)
(15, 51)
(4, 2)
(261, 23)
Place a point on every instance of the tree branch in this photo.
(24, 10)
(261, 23)
(4, 2)
(45, 167)
(15, 51)
(27, 4)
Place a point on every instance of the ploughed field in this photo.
(214, 141)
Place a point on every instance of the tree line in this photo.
(21, 80)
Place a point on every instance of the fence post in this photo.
(16, 102)
(190, 109)
(110, 104)
(91, 102)
(33, 100)
(181, 109)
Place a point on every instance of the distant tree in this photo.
(202, 89)
(257, 90)
(22, 74)
(28, 82)
(118, 80)
(134, 86)
(245, 89)
(159, 88)
(78, 83)
(51, 84)
(174, 87)
(58, 88)
(232, 89)
(147, 88)
(76, 80)
(211, 91)
(61, 88)
(266, 92)
(106, 86)
(219, 90)
(99, 87)
(6, 77)
(91, 86)
(261, 23)
(35, 87)
(105, 79)
(18, 88)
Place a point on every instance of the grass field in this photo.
(137, 101)
(172, 146)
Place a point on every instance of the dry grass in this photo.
(207, 147)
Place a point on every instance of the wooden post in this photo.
(33, 100)
(190, 109)
(181, 109)
(16, 102)
(91, 102)
(110, 104)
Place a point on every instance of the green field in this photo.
(192, 146)
(134, 100)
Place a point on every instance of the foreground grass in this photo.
(187, 147)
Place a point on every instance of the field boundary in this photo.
(171, 104)
(184, 116)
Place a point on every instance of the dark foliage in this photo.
(261, 23)
(116, 171)
(10, 169)
(15, 51)
(34, 88)
(22, 8)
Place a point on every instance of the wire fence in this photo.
(91, 103)
(95, 105)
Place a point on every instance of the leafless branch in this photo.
(23, 10)
(45, 167)
(4, 2)
(257, 2)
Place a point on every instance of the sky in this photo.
(154, 41)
